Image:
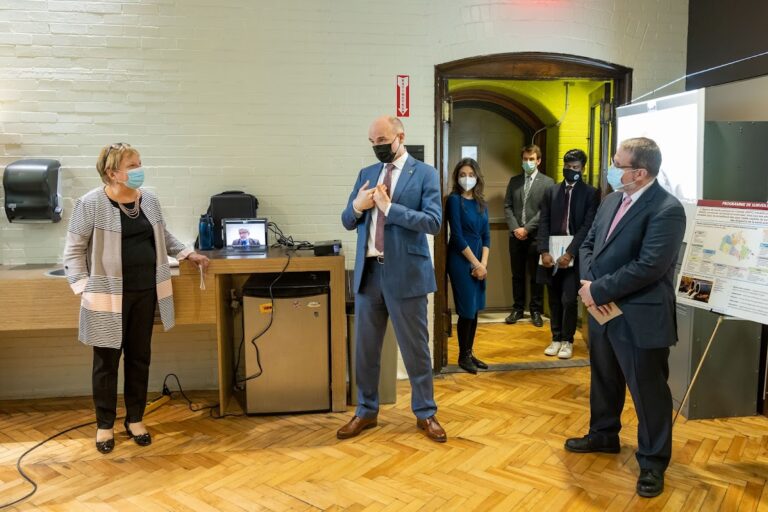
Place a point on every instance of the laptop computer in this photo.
(245, 235)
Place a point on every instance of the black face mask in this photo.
(384, 152)
(571, 176)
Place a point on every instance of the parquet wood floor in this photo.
(505, 452)
(499, 343)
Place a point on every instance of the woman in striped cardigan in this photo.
(116, 260)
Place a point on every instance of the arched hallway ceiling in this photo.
(545, 98)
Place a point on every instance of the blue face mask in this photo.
(135, 178)
(614, 178)
(529, 167)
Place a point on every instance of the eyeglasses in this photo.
(117, 146)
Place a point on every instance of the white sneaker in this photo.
(553, 349)
(566, 350)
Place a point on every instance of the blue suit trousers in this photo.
(374, 304)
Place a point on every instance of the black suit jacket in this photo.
(584, 202)
(635, 266)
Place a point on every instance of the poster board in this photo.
(725, 266)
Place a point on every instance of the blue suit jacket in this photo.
(416, 210)
(635, 266)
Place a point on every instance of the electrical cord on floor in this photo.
(239, 383)
(27, 477)
(166, 391)
(190, 404)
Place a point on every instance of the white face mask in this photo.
(467, 182)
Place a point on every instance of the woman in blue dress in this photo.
(468, 248)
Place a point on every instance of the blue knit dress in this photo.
(469, 228)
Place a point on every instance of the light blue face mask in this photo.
(529, 167)
(614, 178)
(135, 178)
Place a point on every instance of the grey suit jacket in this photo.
(513, 202)
(635, 266)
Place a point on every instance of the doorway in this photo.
(491, 107)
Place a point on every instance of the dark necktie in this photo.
(381, 219)
(566, 210)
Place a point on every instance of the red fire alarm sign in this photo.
(403, 95)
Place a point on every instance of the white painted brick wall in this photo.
(271, 97)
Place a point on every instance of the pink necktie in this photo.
(566, 214)
(381, 219)
(619, 214)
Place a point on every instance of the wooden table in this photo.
(32, 301)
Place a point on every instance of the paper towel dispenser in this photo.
(32, 191)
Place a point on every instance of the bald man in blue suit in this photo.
(393, 205)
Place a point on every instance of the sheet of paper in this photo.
(601, 318)
(558, 246)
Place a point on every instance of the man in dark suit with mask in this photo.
(628, 261)
(567, 208)
(521, 208)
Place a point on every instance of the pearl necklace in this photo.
(132, 213)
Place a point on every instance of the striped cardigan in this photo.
(94, 268)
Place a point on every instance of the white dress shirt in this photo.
(637, 193)
(398, 163)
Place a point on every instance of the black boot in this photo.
(463, 330)
(466, 363)
(475, 360)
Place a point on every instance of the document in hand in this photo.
(600, 317)
(558, 245)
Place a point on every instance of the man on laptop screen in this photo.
(245, 234)
(245, 239)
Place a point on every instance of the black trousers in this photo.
(138, 318)
(616, 364)
(524, 257)
(563, 308)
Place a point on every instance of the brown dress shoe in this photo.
(355, 426)
(432, 428)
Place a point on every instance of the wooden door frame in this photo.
(504, 66)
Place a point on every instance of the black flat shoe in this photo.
(514, 317)
(479, 363)
(105, 446)
(650, 483)
(536, 319)
(141, 440)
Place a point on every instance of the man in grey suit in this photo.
(393, 205)
(628, 261)
(521, 208)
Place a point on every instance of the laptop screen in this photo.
(245, 233)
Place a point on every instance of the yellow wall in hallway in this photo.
(546, 99)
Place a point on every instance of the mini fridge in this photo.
(287, 342)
